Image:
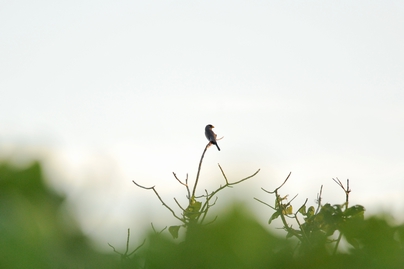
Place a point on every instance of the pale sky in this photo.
(110, 91)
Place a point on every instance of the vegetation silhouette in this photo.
(34, 233)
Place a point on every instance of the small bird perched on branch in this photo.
(210, 135)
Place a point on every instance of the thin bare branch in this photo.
(144, 241)
(298, 222)
(184, 184)
(293, 199)
(114, 249)
(179, 180)
(224, 175)
(199, 170)
(319, 195)
(272, 192)
(187, 187)
(179, 204)
(127, 242)
(126, 255)
(301, 206)
(140, 186)
(230, 184)
(347, 190)
(244, 179)
(161, 200)
(204, 212)
(214, 203)
(154, 230)
(205, 206)
(264, 203)
(336, 180)
(200, 196)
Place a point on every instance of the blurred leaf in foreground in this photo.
(33, 231)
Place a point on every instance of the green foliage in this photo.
(319, 225)
(174, 231)
(33, 233)
(329, 219)
(237, 240)
(193, 211)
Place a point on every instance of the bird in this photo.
(210, 135)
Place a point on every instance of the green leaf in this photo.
(310, 211)
(192, 211)
(174, 231)
(302, 210)
(288, 210)
(274, 216)
(289, 235)
(355, 211)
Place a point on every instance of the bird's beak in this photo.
(213, 126)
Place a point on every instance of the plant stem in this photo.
(199, 170)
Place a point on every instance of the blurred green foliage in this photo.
(239, 241)
(34, 233)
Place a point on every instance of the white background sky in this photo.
(111, 91)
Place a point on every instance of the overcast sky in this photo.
(110, 91)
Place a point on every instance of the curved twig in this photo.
(143, 187)
(184, 184)
(225, 178)
(205, 206)
(154, 230)
(199, 170)
(179, 180)
(161, 200)
(272, 192)
(144, 241)
(179, 204)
